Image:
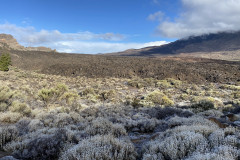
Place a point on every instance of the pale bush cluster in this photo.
(103, 126)
(176, 145)
(41, 147)
(194, 120)
(141, 124)
(101, 147)
(10, 117)
(194, 138)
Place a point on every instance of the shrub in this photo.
(158, 97)
(10, 117)
(107, 95)
(137, 83)
(236, 94)
(52, 93)
(3, 106)
(219, 153)
(141, 124)
(45, 94)
(103, 127)
(88, 91)
(203, 106)
(163, 84)
(166, 112)
(194, 120)
(5, 98)
(20, 108)
(45, 147)
(175, 146)
(35, 124)
(7, 134)
(193, 138)
(5, 61)
(101, 147)
(69, 97)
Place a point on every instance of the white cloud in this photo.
(203, 16)
(81, 42)
(156, 16)
(101, 47)
(155, 1)
(29, 35)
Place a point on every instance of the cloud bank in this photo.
(202, 16)
(81, 42)
(101, 47)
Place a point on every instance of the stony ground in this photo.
(197, 70)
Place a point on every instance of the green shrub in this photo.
(45, 94)
(164, 84)
(69, 97)
(5, 61)
(158, 97)
(5, 98)
(52, 93)
(203, 105)
(20, 108)
(88, 91)
(236, 95)
(107, 95)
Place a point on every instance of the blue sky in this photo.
(100, 26)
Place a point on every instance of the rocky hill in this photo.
(9, 42)
(217, 42)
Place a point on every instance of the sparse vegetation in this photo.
(56, 117)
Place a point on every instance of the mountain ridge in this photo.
(214, 42)
(9, 42)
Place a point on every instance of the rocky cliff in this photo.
(9, 42)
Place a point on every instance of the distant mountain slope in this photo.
(9, 42)
(224, 41)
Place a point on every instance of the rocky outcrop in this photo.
(9, 42)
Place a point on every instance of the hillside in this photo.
(217, 42)
(191, 69)
(196, 70)
(7, 41)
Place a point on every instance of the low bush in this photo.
(7, 134)
(103, 127)
(6, 96)
(10, 117)
(52, 94)
(158, 97)
(202, 106)
(175, 146)
(101, 147)
(20, 108)
(44, 147)
(166, 112)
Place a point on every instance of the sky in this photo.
(104, 26)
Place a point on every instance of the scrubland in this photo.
(79, 118)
